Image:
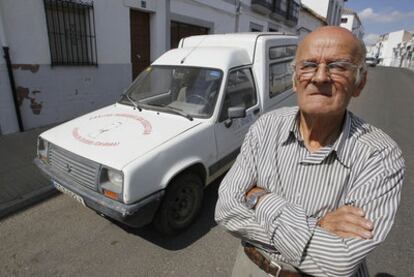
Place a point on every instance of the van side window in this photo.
(280, 78)
(240, 91)
(280, 73)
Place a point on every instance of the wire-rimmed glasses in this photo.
(307, 69)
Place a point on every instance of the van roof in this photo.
(230, 50)
(211, 57)
(246, 41)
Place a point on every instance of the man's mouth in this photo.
(327, 94)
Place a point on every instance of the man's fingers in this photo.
(348, 221)
(353, 230)
(353, 219)
(351, 210)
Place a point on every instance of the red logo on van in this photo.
(92, 137)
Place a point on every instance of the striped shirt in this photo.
(363, 167)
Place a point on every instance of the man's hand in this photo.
(254, 190)
(347, 221)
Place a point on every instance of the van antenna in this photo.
(194, 48)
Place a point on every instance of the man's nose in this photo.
(322, 74)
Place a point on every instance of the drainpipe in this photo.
(13, 87)
(238, 7)
(10, 73)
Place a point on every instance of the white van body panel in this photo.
(117, 135)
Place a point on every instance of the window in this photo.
(181, 30)
(293, 11)
(280, 78)
(280, 73)
(240, 91)
(344, 20)
(254, 27)
(71, 29)
(281, 7)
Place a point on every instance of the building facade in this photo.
(69, 57)
(331, 10)
(384, 47)
(351, 21)
(309, 21)
(404, 54)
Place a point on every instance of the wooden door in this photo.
(140, 41)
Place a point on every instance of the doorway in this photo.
(140, 41)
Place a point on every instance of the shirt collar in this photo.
(338, 147)
(292, 129)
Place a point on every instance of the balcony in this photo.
(280, 10)
(262, 6)
(293, 14)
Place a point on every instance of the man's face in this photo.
(327, 91)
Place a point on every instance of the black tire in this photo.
(180, 205)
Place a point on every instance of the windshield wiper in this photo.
(133, 102)
(173, 110)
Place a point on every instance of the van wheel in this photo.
(180, 205)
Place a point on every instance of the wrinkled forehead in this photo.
(333, 47)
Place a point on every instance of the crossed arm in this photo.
(345, 222)
(333, 245)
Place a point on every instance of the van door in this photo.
(240, 91)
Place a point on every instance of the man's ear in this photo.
(360, 81)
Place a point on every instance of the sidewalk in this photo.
(21, 183)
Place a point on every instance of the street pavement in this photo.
(59, 237)
(21, 183)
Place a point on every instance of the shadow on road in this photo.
(383, 275)
(197, 230)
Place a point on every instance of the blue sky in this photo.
(383, 16)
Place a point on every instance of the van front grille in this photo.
(81, 170)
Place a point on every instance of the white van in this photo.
(176, 129)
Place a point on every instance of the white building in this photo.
(308, 21)
(68, 57)
(331, 10)
(404, 54)
(384, 48)
(351, 21)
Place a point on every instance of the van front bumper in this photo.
(135, 215)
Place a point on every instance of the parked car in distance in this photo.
(371, 61)
(178, 127)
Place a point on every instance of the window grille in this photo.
(71, 29)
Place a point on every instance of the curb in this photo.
(26, 200)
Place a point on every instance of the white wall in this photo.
(307, 23)
(319, 6)
(393, 39)
(8, 118)
(322, 7)
(353, 25)
(218, 14)
(55, 94)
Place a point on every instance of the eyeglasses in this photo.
(307, 69)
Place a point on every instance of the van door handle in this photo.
(256, 111)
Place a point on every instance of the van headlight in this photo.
(111, 183)
(42, 149)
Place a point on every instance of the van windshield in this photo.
(190, 90)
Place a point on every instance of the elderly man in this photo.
(315, 188)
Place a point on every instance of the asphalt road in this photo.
(388, 103)
(59, 237)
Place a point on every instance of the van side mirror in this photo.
(234, 112)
